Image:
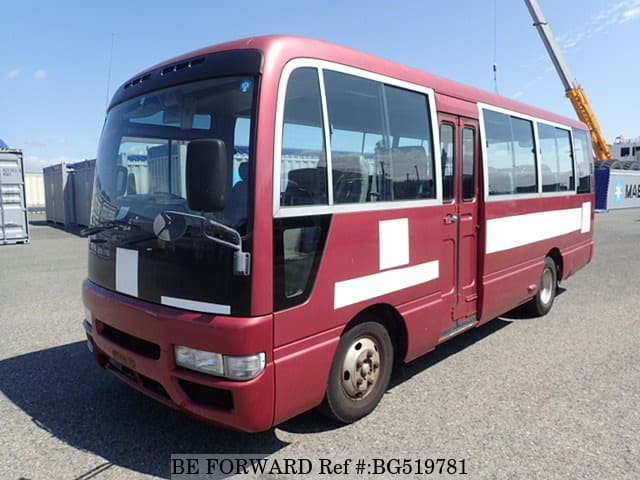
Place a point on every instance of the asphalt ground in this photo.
(556, 397)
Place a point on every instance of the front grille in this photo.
(153, 386)
(126, 371)
(134, 344)
(210, 396)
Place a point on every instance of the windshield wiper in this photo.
(123, 226)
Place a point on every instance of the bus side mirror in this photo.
(207, 175)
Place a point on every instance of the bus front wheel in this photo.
(360, 372)
(543, 301)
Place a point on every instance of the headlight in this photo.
(243, 367)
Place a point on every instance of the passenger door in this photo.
(459, 157)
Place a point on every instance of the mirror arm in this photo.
(241, 260)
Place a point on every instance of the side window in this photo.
(556, 159)
(524, 168)
(381, 145)
(300, 249)
(468, 163)
(355, 113)
(411, 155)
(238, 195)
(584, 160)
(511, 154)
(303, 176)
(566, 175)
(240, 146)
(447, 155)
(298, 246)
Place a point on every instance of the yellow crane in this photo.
(572, 89)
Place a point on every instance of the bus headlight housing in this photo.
(243, 367)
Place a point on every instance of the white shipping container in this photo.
(14, 223)
(34, 186)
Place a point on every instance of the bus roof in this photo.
(281, 48)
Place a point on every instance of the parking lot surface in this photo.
(556, 397)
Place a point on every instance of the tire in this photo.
(541, 304)
(360, 372)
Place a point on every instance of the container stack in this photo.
(68, 192)
(14, 220)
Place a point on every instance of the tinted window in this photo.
(511, 154)
(556, 159)
(380, 141)
(355, 110)
(447, 158)
(468, 163)
(303, 178)
(584, 160)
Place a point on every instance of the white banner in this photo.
(624, 189)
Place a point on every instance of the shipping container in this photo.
(59, 196)
(14, 220)
(166, 174)
(81, 174)
(34, 187)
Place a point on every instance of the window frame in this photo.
(535, 121)
(589, 145)
(569, 130)
(282, 211)
(474, 130)
(454, 130)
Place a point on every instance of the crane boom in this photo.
(573, 90)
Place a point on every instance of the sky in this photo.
(60, 61)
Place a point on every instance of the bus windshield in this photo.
(141, 174)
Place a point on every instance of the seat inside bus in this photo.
(350, 178)
(306, 186)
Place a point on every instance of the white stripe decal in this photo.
(586, 217)
(393, 243)
(127, 271)
(511, 232)
(359, 289)
(196, 306)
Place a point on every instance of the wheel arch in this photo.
(391, 319)
(556, 256)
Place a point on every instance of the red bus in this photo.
(278, 220)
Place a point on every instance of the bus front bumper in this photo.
(134, 340)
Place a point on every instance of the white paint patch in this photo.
(127, 271)
(394, 243)
(196, 306)
(511, 232)
(586, 217)
(359, 289)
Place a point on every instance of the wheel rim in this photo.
(361, 368)
(546, 289)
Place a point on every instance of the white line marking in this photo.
(359, 289)
(586, 217)
(518, 230)
(127, 271)
(195, 305)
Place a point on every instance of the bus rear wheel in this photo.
(543, 301)
(360, 372)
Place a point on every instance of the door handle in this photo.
(449, 219)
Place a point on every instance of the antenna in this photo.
(106, 105)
